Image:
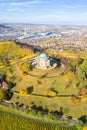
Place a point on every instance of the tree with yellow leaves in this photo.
(85, 128)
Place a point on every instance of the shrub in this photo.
(23, 92)
(51, 93)
(85, 128)
(66, 122)
(74, 99)
(6, 95)
(79, 125)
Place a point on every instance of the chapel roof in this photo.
(43, 56)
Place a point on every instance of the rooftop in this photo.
(43, 56)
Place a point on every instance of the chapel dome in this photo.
(43, 56)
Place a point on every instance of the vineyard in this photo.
(13, 122)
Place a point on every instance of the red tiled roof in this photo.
(4, 84)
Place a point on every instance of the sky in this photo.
(60, 12)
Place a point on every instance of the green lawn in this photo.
(53, 104)
(58, 83)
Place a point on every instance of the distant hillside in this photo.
(4, 26)
(10, 49)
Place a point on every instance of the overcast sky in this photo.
(44, 11)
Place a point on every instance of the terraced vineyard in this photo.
(14, 122)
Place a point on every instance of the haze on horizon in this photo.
(72, 12)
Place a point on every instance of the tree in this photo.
(82, 70)
(81, 73)
(51, 93)
(30, 89)
(5, 61)
(74, 64)
(6, 95)
(23, 92)
(79, 125)
(25, 67)
(85, 128)
(75, 100)
(2, 94)
(11, 84)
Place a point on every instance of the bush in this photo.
(25, 68)
(6, 95)
(75, 100)
(51, 93)
(23, 92)
(30, 89)
(66, 122)
(85, 128)
(79, 125)
(52, 116)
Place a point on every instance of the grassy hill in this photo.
(10, 49)
(42, 81)
(64, 84)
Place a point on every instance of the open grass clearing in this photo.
(54, 104)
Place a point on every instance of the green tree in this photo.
(3, 94)
(79, 125)
(6, 95)
(82, 70)
(74, 64)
